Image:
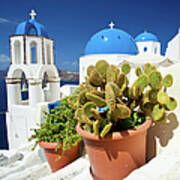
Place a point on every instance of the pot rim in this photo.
(116, 135)
(48, 145)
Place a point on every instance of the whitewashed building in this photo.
(32, 65)
(117, 46)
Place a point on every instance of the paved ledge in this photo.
(32, 165)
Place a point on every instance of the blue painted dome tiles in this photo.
(31, 27)
(146, 36)
(111, 41)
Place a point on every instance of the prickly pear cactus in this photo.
(106, 102)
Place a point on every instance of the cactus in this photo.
(96, 126)
(106, 129)
(98, 101)
(162, 97)
(102, 67)
(95, 78)
(167, 80)
(110, 97)
(152, 95)
(89, 70)
(171, 105)
(155, 80)
(125, 68)
(112, 74)
(158, 112)
(106, 102)
(138, 71)
(142, 81)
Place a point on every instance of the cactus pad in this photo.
(96, 126)
(158, 112)
(153, 95)
(100, 102)
(167, 81)
(102, 67)
(89, 70)
(142, 81)
(171, 105)
(121, 112)
(87, 109)
(95, 78)
(162, 97)
(121, 79)
(155, 80)
(106, 129)
(125, 68)
(111, 74)
(110, 97)
(138, 71)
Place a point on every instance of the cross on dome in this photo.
(111, 25)
(33, 14)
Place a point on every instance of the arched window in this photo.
(33, 47)
(155, 50)
(145, 49)
(48, 54)
(24, 89)
(32, 31)
(17, 52)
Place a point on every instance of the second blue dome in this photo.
(146, 36)
(111, 41)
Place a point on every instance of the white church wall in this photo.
(48, 49)
(173, 48)
(19, 122)
(149, 47)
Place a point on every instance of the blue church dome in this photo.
(31, 27)
(146, 36)
(111, 41)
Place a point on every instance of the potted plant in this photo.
(114, 116)
(57, 135)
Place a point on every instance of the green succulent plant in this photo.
(108, 103)
(59, 126)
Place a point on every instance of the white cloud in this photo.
(3, 21)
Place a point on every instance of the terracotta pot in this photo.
(118, 154)
(51, 155)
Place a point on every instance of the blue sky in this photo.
(72, 23)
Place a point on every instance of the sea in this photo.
(3, 109)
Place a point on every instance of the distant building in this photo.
(117, 46)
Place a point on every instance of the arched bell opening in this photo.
(24, 89)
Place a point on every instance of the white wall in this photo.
(173, 48)
(151, 47)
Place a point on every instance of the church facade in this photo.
(117, 46)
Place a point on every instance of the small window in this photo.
(155, 50)
(17, 52)
(32, 31)
(48, 54)
(33, 47)
(145, 49)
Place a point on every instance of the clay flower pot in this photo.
(116, 155)
(51, 155)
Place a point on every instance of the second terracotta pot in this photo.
(116, 155)
(51, 155)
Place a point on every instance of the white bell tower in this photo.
(32, 65)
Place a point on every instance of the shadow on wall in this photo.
(163, 131)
